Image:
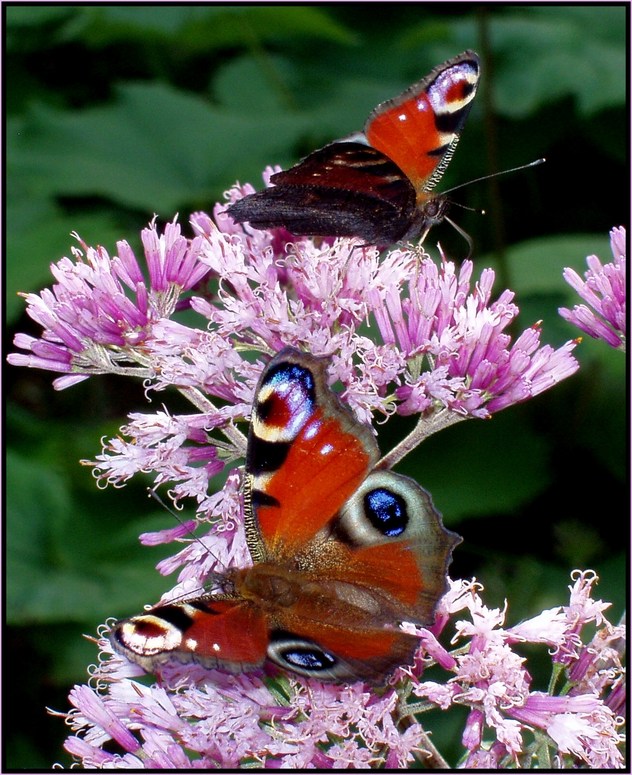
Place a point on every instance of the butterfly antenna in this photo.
(494, 175)
(464, 234)
(455, 226)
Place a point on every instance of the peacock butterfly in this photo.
(376, 184)
(342, 550)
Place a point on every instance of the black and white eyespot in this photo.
(285, 401)
(153, 638)
(284, 407)
(303, 656)
(386, 507)
(149, 639)
(453, 90)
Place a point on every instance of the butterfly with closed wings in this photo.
(376, 184)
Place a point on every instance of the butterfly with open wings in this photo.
(376, 184)
(342, 550)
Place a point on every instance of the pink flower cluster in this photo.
(603, 316)
(581, 719)
(439, 348)
(404, 335)
(201, 719)
(237, 721)
(101, 309)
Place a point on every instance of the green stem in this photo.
(201, 402)
(426, 426)
(429, 757)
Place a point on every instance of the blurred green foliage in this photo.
(115, 113)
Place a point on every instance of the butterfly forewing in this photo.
(229, 634)
(307, 453)
(419, 129)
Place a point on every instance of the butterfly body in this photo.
(342, 552)
(376, 184)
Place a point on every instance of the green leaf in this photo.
(154, 149)
(190, 28)
(206, 28)
(488, 473)
(22, 18)
(536, 266)
(40, 235)
(603, 406)
(544, 54)
(39, 505)
(34, 16)
(252, 87)
(536, 275)
(65, 565)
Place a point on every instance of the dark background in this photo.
(115, 113)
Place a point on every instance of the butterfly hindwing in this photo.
(395, 534)
(345, 189)
(336, 653)
(382, 560)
